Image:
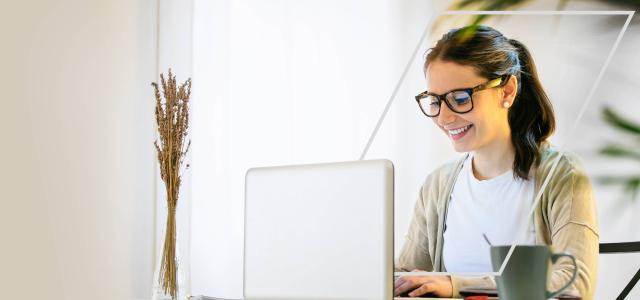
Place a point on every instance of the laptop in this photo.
(319, 231)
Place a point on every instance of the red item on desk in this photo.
(482, 293)
(477, 297)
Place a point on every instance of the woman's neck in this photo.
(493, 160)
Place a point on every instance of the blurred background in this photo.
(274, 82)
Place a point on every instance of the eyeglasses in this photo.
(459, 101)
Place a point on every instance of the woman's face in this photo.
(483, 127)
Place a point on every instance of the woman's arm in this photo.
(573, 228)
(459, 282)
(414, 253)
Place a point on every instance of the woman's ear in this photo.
(510, 90)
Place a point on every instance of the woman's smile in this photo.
(460, 132)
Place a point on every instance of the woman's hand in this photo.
(439, 286)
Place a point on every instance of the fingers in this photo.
(403, 286)
(426, 287)
(408, 283)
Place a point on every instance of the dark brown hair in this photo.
(492, 55)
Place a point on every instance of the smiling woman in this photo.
(485, 95)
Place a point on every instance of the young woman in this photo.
(485, 95)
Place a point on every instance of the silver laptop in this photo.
(320, 231)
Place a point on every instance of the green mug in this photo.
(527, 272)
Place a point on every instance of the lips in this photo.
(460, 132)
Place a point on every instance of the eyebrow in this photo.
(469, 88)
(454, 90)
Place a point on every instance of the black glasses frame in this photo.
(443, 97)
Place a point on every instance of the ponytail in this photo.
(531, 118)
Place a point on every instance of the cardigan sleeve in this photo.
(573, 228)
(459, 282)
(414, 253)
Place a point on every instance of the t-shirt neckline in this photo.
(500, 178)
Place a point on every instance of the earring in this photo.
(506, 104)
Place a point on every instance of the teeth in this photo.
(459, 130)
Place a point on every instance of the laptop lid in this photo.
(321, 231)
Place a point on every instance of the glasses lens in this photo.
(460, 101)
(430, 105)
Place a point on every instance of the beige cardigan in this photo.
(565, 219)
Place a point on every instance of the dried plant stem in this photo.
(168, 268)
(172, 117)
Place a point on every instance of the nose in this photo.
(446, 116)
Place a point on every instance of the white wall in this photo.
(77, 159)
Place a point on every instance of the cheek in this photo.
(490, 124)
(435, 123)
(484, 113)
(479, 121)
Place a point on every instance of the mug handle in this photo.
(554, 258)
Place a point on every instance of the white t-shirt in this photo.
(497, 207)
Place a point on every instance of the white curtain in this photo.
(282, 82)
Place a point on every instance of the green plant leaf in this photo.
(632, 188)
(562, 4)
(484, 5)
(620, 152)
(617, 179)
(632, 3)
(489, 4)
(631, 184)
(620, 122)
(506, 4)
